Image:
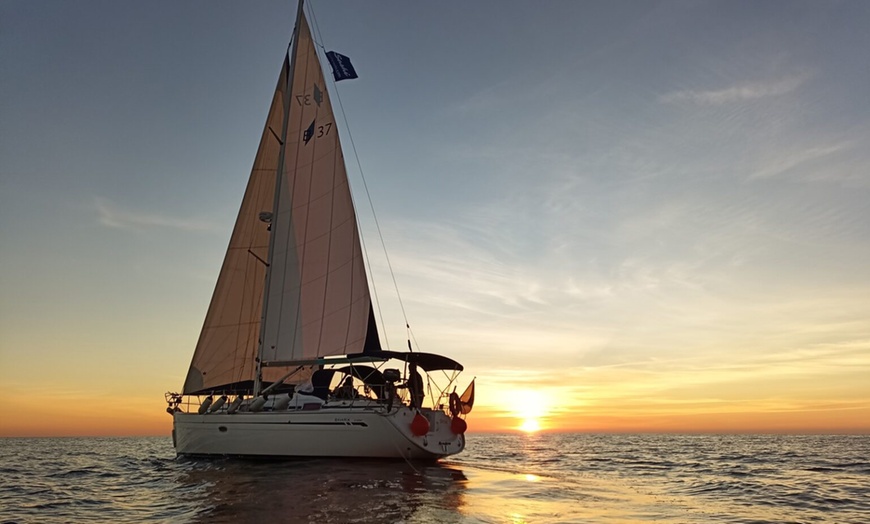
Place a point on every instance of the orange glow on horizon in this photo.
(45, 415)
(807, 422)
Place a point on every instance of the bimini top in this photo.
(426, 361)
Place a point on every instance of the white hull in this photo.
(337, 430)
(291, 304)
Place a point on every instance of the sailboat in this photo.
(289, 362)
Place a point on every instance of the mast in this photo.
(278, 177)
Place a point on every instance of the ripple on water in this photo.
(500, 478)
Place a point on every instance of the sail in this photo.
(229, 338)
(318, 301)
(312, 278)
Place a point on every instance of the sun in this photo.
(530, 407)
(530, 425)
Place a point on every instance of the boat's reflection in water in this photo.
(319, 490)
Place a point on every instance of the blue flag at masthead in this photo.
(342, 69)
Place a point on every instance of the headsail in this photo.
(318, 299)
(317, 302)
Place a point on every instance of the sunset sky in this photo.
(620, 216)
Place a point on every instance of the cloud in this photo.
(111, 216)
(736, 93)
(765, 381)
(787, 162)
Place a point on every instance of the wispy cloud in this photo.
(111, 216)
(736, 93)
(794, 159)
(796, 374)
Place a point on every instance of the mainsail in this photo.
(312, 277)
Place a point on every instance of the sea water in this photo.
(499, 478)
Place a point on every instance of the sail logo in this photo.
(318, 95)
(308, 133)
(322, 131)
(305, 98)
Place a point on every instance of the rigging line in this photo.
(412, 336)
(374, 214)
(395, 445)
(368, 196)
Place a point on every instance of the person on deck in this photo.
(346, 389)
(415, 387)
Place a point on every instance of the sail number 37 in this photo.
(324, 129)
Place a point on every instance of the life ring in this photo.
(455, 404)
